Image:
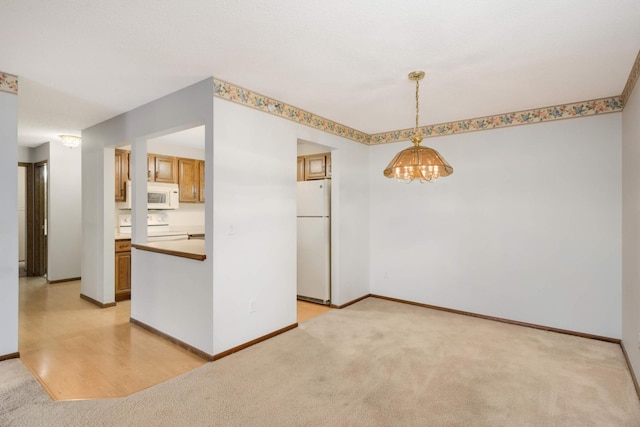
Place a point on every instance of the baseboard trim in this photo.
(253, 342)
(633, 375)
(71, 279)
(503, 320)
(176, 341)
(96, 302)
(123, 296)
(350, 302)
(15, 355)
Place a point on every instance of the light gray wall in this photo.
(64, 206)
(65, 212)
(39, 153)
(527, 228)
(24, 155)
(153, 275)
(255, 192)
(631, 229)
(9, 224)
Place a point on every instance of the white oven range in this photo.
(158, 228)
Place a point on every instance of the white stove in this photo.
(158, 228)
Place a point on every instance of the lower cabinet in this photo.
(123, 270)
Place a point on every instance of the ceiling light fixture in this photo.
(422, 163)
(70, 141)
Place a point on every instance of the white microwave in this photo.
(159, 196)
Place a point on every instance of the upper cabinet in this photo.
(201, 172)
(189, 178)
(301, 168)
(187, 173)
(121, 174)
(162, 169)
(315, 166)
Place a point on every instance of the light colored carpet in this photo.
(375, 363)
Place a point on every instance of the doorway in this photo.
(40, 204)
(313, 229)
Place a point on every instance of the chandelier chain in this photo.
(417, 104)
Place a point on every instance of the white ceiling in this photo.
(80, 63)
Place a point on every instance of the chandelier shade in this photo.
(422, 163)
(418, 163)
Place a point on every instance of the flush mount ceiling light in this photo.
(70, 141)
(422, 163)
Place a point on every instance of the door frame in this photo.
(29, 224)
(40, 212)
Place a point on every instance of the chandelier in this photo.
(421, 163)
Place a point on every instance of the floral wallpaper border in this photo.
(557, 112)
(251, 99)
(8, 83)
(633, 78)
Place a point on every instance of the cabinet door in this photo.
(301, 168)
(121, 174)
(315, 166)
(201, 186)
(188, 175)
(151, 168)
(123, 275)
(165, 169)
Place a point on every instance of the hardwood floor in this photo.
(79, 351)
(307, 310)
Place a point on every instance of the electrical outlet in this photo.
(252, 306)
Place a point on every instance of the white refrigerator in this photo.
(314, 241)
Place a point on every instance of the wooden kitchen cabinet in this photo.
(187, 173)
(191, 180)
(188, 180)
(301, 168)
(123, 270)
(201, 186)
(162, 169)
(121, 174)
(316, 166)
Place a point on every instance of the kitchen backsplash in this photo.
(189, 214)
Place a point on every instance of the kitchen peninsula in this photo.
(193, 248)
(182, 241)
